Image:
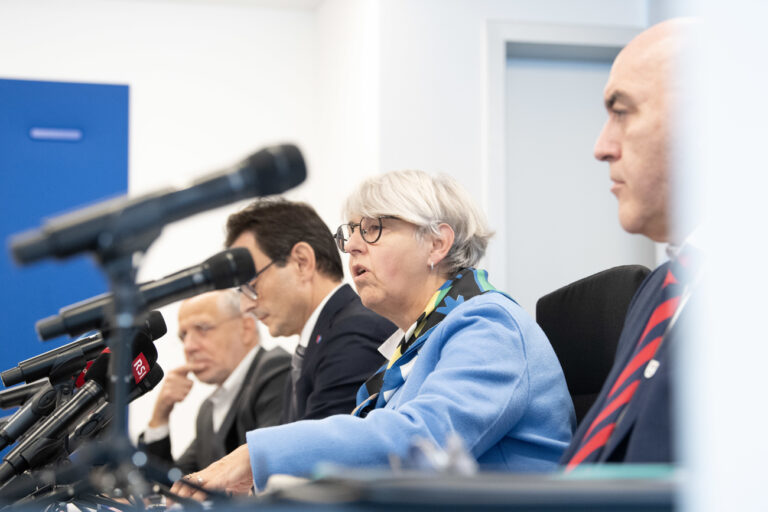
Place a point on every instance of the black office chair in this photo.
(583, 321)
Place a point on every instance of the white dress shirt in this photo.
(222, 398)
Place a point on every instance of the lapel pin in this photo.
(650, 369)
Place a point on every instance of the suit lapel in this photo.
(637, 316)
(335, 303)
(229, 419)
(636, 405)
(646, 386)
(205, 447)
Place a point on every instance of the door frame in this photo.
(505, 39)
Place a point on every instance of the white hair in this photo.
(229, 302)
(426, 201)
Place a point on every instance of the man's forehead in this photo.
(631, 81)
(644, 67)
(206, 305)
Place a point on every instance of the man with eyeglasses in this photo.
(221, 347)
(298, 290)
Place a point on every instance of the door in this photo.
(562, 221)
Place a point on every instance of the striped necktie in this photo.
(297, 361)
(623, 389)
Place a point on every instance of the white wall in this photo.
(435, 88)
(346, 56)
(210, 82)
(722, 384)
(561, 221)
(433, 81)
(362, 86)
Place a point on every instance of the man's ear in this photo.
(304, 257)
(250, 336)
(441, 244)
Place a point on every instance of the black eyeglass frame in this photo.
(339, 235)
(249, 289)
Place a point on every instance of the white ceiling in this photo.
(277, 4)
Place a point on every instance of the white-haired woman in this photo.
(467, 360)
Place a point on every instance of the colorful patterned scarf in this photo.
(378, 389)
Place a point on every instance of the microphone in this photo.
(41, 404)
(43, 442)
(46, 398)
(109, 226)
(18, 395)
(226, 269)
(99, 419)
(89, 428)
(71, 357)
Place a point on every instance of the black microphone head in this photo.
(50, 327)
(12, 376)
(144, 347)
(151, 329)
(152, 379)
(29, 246)
(230, 268)
(143, 359)
(99, 370)
(143, 355)
(274, 169)
(155, 325)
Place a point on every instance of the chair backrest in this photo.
(583, 321)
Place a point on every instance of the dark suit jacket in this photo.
(645, 432)
(342, 353)
(259, 403)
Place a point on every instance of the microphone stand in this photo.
(116, 258)
(115, 255)
(121, 274)
(137, 477)
(130, 468)
(116, 464)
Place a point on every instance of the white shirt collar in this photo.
(387, 349)
(225, 394)
(698, 239)
(306, 332)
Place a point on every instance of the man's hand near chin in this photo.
(176, 387)
(230, 474)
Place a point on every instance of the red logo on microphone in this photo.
(140, 368)
(81, 377)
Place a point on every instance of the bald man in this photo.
(221, 347)
(632, 418)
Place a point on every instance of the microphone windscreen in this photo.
(143, 346)
(99, 369)
(152, 379)
(274, 170)
(143, 357)
(155, 325)
(231, 268)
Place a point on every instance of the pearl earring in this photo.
(431, 266)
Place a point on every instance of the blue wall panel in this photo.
(62, 145)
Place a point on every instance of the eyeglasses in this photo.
(370, 231)
(202, 329)
(249, 289)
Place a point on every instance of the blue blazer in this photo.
(487, 373)
(645, 433)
